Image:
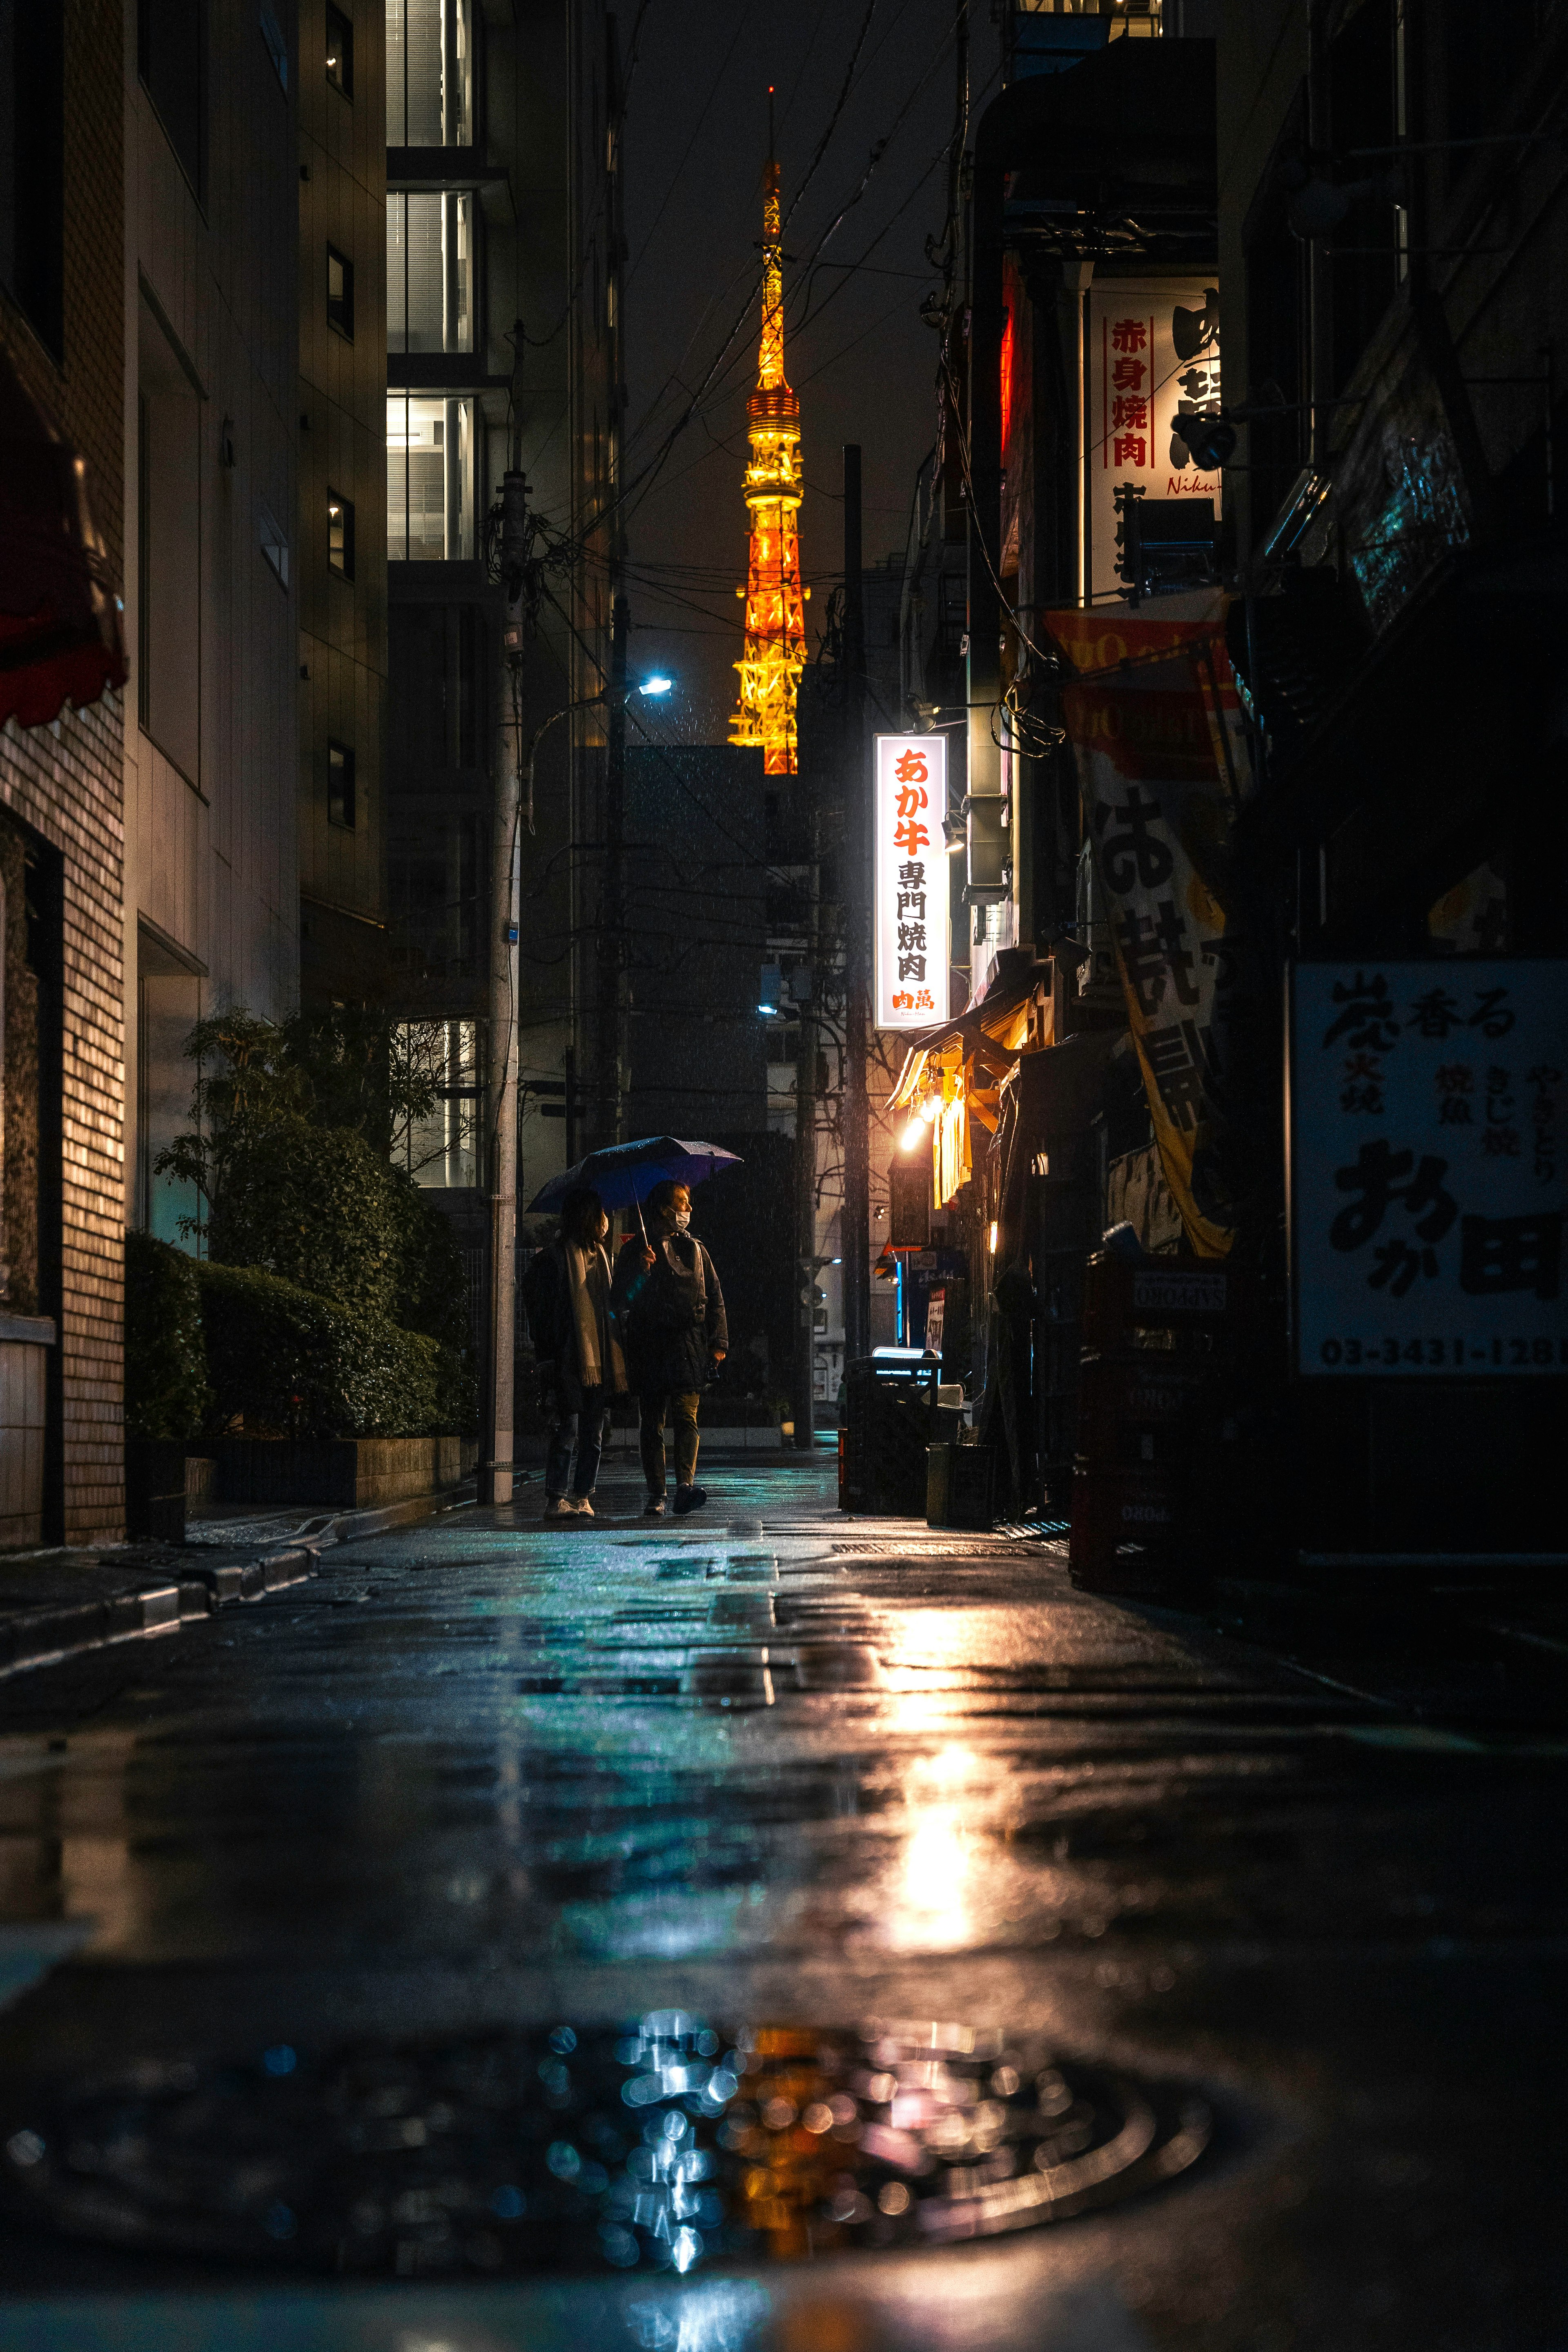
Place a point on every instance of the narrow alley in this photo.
(703, 1935)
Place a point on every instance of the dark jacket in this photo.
(547, 1301)
(671, 1313)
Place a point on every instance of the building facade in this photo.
(342, 517)
(1253, 415)
(62, 242)
(502, 250)
(214, 563)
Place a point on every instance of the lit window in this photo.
(430, 271)
(441, 1148)
(341, 804)
(430, 73)
(339, 51)
(429, 480)
(340, 535)
(340, 293)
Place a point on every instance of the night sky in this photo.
(864, 363)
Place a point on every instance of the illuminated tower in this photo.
(776, 602)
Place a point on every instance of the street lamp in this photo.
(656, 685)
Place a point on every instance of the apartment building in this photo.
(501, 350)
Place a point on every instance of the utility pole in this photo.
(610, 1075)
(804, 1368)
(855, 1218)
(496, 1442)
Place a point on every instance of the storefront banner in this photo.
(1153, 353)
(1154, 724)
(1428, 1111)
(910, 886)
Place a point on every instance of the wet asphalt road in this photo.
(486, 1782)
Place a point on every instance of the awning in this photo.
(59, 617)
(994, 1032)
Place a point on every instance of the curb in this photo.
(58, 1619)
(50, 1626)
(317, 1530)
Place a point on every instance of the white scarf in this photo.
(588, 1272)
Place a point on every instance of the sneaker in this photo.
(584, 1506)
(688, 1499)
(654, 1508)
(558, 1508)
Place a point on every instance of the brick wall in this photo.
(64, 782)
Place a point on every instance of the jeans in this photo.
(584, 1430)
(651, 1409)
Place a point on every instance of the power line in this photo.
(741, 21)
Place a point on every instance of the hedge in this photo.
(167, 1392)
(316, 1206)
(298, 1365)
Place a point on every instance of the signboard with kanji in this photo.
(1152, 353)
(1428, 1167)
(910, 888)
(1154, 717)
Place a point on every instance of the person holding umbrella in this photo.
(671, 1315)
(566, 1292)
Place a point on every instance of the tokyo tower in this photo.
(776, 602)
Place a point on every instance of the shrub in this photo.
(316, 1207)
(166, 1392)
(304, 1366)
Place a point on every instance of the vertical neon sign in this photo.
(910, 883)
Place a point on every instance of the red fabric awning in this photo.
(61, 638)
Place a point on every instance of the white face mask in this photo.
(682, 1220)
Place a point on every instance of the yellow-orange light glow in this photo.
(775, 603)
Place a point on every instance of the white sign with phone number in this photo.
(1429, 1168)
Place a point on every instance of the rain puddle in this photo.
(664, 2147)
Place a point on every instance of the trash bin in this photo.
(961, 1486)
(890, 1422)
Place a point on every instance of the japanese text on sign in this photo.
(909, 889)
(1153, 356)
(1429, 1168)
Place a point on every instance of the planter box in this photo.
(349, 1472)
(23, 1363)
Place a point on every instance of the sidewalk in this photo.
(56, 1603)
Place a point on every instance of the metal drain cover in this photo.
(666, 2147)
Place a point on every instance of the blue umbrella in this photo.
(624, 1174)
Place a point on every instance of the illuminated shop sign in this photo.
(1152, 354)
(1428, 1168)
(909, 884)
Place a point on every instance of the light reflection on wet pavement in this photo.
(483, 1783)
